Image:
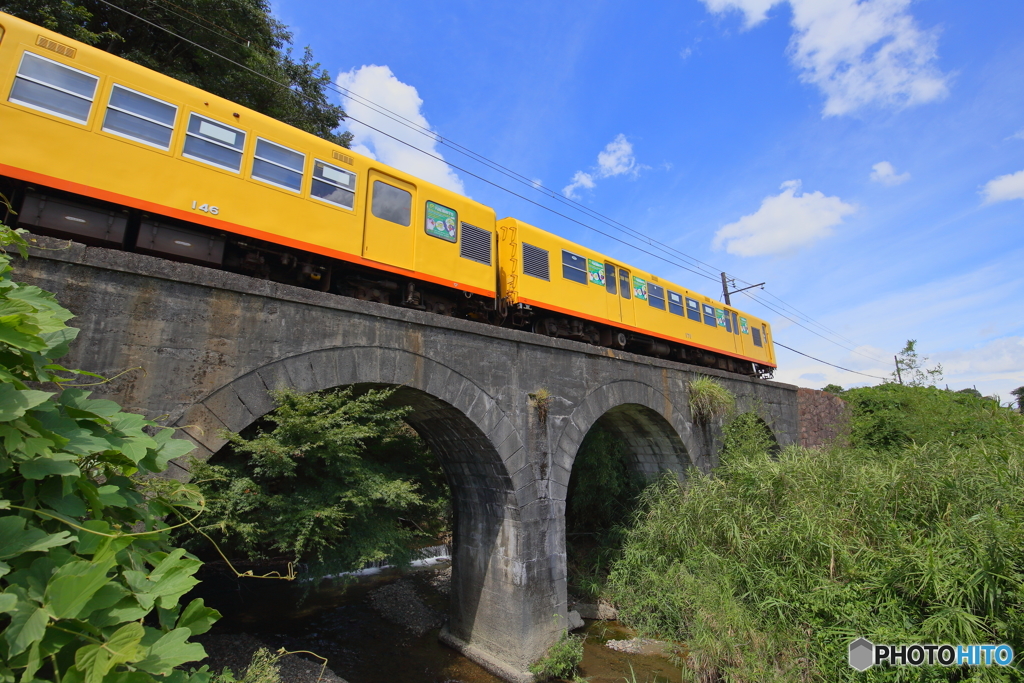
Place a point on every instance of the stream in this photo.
(337, 620)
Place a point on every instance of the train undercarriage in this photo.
(54, 213)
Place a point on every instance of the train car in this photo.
(166, 159)
(107, 152)
(578, 293)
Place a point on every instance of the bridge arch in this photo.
(460, 422)
(656, 431)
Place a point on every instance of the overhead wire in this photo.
(777, 343)
(508, 172)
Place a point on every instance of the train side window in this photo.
(54, 88)
(391, 203)
(442, 222)
(140, 117)
(675, 303)
(624, 284)
(278, 165)
(692, 309)
(574, 267)
(536, 262)
(214, 143)
(609, 278)
(333, 184)
(656, 295)
(709, 315)
(727, 319)
(735, 323)
(756, 334)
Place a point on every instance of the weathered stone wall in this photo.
(211, 345)
(824, 418)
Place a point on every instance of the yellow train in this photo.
(107, 152)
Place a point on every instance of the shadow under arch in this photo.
(463, 426)
(657, 433)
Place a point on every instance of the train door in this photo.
(732, 326)
(613, 309)
(626, 298)
(389, 233)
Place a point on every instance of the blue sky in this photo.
(866, 160)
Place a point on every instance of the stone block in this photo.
(202, 426)
(229, 409)
(253, 394)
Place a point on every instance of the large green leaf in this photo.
(73, 585)
(170, 651)
(15, 402)
(125, 645)
(60, 465)
(197, 617)
(15, 539)
(28, 624)
(93, 661)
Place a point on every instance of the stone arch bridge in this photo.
(213, 344)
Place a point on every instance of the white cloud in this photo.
(379, 85)
(784, 222)
(857, 52)
(615, 159)
(999, 357)
(883, 172)
(1019, 135)
(1004, 188)
(581, 179)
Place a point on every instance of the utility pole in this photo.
(726, 292)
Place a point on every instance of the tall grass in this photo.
(768, 569)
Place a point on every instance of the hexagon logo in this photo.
(862, 654)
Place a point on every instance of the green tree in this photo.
(243, 31)
(832, 389)
(332, 478)
(910, 368)
(89, 582)
(1019, 394)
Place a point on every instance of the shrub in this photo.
(329, 478)
(768, 569)
(563, 659)
(89, 582)
(709, 400)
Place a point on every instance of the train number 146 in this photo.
(207, 208)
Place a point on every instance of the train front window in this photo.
(278, 165)
(54, 88)
(333, 184)
(391, 203)
(214, 143)
(756, 334)
(574, 267)
(140, 117)
(624, 284)
(609, 278)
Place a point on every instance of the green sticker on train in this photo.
(441, 222)
(720, 314)
(639, 288)
(596, 270)
(743, 326)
